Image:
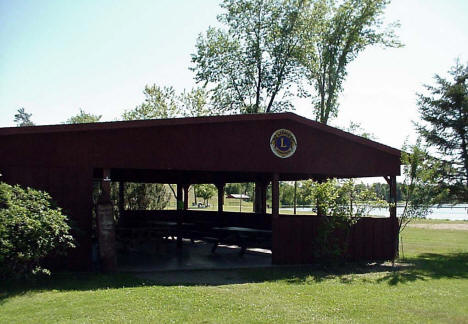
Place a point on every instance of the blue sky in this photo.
(59, 56)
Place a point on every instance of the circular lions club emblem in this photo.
(283, 143)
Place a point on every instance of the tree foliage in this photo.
(342, 198)
(418, 188)
(196, 103)
(83, 117)
(164, 102)
(251, 62)
(143, 196)
(246, 188)
(344, 202)
(445, 128)
(159, 103)
(267, 49)
(22, 118)
(205, 191)
(335, 33)
(31, 228)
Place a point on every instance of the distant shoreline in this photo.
(457, 212)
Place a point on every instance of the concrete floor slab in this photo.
(191, 256)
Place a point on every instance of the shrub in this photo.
(345, 202)
(31, 228)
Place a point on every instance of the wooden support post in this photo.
(260, 197)
(393, 197)
(105, 185)
(121, 198)
(180, 207)
(275, 220)
(295, 196)
(275, 196)
(186, 196)
(179, 197)
(106, 226)
(391, 180)
(320, 211)
(220, 187)
(263, 192)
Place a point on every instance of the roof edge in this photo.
(110, 125)
(345, 134)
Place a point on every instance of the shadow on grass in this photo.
(67, 282)
(430, 266)
(424, 267)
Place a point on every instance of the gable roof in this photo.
(101, 126)
(234, 144)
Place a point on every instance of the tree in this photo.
(343, 198)
(335, 33)
(344, 202)
(160, 102)
(205, 191)
(22, 118)
(195, 103)
(251, 62)
(286, 193)
(357, 129)
(233, 188)
(445, 128)
(163, 102)
(83, 117)
(143, 196)
(417, 188)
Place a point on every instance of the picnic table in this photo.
(133, 235)
(242, 236)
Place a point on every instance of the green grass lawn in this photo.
(429, 286)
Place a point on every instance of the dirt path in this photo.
(460, 227)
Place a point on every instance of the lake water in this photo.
(450, 212)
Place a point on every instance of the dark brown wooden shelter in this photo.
(65, 159)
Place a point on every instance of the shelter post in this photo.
(180, 207)
(391, 180)
(264, 197)
(186, 196)
(220, 187)
(260, 197)
(295, 196)
(393, 195)
(320, 211)
(275, 196)
(106, 226)
(121, 197)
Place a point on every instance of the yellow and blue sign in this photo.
(283, 143)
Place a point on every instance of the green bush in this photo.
(31, 228)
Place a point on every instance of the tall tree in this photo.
(335, 33)
(445, 128)
(22, 118)
(195, 103)
(205, 191)
(417, 187)
(83, 117)
(160, 102)
(251, 62)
